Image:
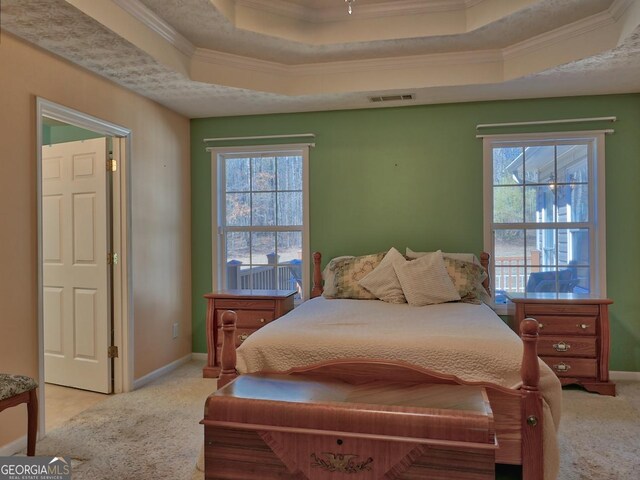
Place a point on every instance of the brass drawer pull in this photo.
(261, 320)
(541, 325)
(243, 337)
(561, 347)
(583, 326)
(561, 367)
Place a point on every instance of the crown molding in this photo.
(354, 66)
(559, 35)
(619, 7)
(140, 12)
(338, 13)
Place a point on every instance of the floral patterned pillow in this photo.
(347, 272)
(467, 278)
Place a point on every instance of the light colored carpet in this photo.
(153, 433)
(600, 436)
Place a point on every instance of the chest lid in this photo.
(400, 411)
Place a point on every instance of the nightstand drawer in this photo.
(567, 346)
(572, 367)
(249, 318)
(241, 335)
(245, 303)
(567, 325)
(533, 309)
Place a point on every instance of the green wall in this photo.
(412, 176)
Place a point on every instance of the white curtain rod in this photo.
(547, 122)
(239, 149)
(260, 137)
(587, 132)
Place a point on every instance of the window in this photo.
(544, 213)
(262, 240)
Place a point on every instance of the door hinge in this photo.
(112, 351)
(112, 258)
(112, 165)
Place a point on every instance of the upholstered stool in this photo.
(17, 389)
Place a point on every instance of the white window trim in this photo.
(217, 212)
(598, 251)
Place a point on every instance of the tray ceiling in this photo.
(226, 57)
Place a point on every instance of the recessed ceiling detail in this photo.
(225, 57)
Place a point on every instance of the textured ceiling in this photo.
(206, 27)
(59, 27)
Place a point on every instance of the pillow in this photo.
(328, 274)
(467, 278)
(425, 281)
(383, 281)
(465, 257)
(347, 272)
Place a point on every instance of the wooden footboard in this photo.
(518, 414)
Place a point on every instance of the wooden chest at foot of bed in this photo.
(298, 427)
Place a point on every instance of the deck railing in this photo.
(509, 274)
(283, 276)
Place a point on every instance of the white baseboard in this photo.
(13, 447)
(199, 356)
(618, 375)
(150, 377)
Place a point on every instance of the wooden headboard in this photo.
(317, 289)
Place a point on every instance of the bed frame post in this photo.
(532, 415)
(484, 261)
(317, 275)
(228, 360)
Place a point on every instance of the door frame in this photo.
(122, 299)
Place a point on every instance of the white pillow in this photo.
(425, 281)
(383, 281)
(465, 257)
(328, 276)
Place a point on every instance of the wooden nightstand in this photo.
(574, 336)
(255, 308)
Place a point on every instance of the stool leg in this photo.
(32, 432)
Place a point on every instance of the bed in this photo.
(448, 343)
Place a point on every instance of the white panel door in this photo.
(77, 301)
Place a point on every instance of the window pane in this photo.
(543, 280)
(507, 204)
(507, 166)
(509, 278)
(539, 204)
(264, 209)
(541, 247)
(263, 248)
(539, 164)
(573, 203)
(290, 208)
(573, 246)
(238, 247)
(583, 279)
(237, 174)
(509, 247)
(573, 163)
(290, 268)
(238, 209)
(263, 174)
(290, 173)
(289, 246)
(237, 259)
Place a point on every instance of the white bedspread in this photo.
(465, 340)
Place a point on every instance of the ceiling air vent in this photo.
(392, 98)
